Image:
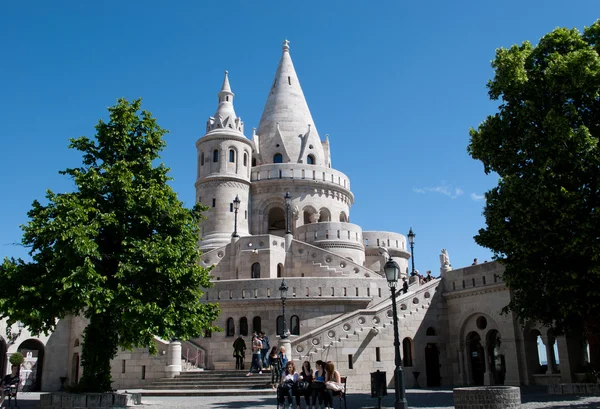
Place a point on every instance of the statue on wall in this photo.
(445, 262)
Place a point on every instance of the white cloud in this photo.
(475, 196)
(445, 190)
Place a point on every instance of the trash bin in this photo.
(378, 385)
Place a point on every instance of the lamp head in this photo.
(283, 289)
(288, 198)
(236, 202)
(391, 272)
(411, 236)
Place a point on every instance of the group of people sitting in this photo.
(317, 387)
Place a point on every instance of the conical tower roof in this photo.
(225, 117)
(286, 126)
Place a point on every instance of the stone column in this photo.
(287, 344)
(173, 359)
(488, 373)
(550, 357)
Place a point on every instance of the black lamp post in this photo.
(411, 240)
(283, 289)
(391, 272)
(288, 203)
(236, 206)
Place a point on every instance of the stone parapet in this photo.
(574, 389)
(487, 397)
(58, 400)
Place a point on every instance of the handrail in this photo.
(374, 310)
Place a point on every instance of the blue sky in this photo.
(396, 85)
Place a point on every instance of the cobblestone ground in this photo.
(417, 398)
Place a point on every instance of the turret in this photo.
(224, 162)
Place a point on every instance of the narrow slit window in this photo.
(289, 80)
(377, 354)
(350, 365)
(214, 203)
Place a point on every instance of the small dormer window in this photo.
(278, 158)
(227, 98)
(310, 160)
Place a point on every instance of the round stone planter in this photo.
(487, 397)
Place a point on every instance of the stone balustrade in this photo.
(300, 171)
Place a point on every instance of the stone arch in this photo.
(279, 270)
(276, 219)
(324, 215)
(294, 325)
(256, 324)
(33, 351)
(244, 326)
(495, 356)
(476, 358)
(310, 215)
(230, 327)
(343, 217)
(255, 270)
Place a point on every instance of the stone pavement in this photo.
(532, 398)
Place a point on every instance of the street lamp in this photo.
(391, 273)
(236, 206)
(411, 240)
(288, 203)
(283, 289)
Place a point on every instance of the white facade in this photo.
(338, 307)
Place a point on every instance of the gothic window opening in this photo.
(256, 324)
(230, 327)
(231, 156)
(244, 326)
(255, 270)
(278, 158)
(216, 155)
(295, 325)
(407, 358)
(310, 160)
(279, 270)
(245, 159)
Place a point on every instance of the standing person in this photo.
(318, 385)
(256, 351)
(239, 352)
(282, 358)
(404, 285)
(306, 374)
(265, 348)
(330, 375)
(288, 378)
(275, 363)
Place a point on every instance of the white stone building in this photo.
(338, 306)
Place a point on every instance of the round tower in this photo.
(224, 162)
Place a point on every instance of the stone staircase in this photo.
(212, 383)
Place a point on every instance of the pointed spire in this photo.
(225, 116)
(287, 106)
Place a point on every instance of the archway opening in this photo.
(476, 358)
(276, 221)
(31, 369)
(432, 365)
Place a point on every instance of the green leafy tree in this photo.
(121, 250)
(543, 218)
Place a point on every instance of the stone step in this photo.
(200, 392)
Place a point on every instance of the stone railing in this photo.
(374, 318)
(300, 171)
(261, 289)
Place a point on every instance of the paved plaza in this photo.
(532, 398)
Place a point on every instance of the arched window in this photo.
(310, 160)
(278, 158)
(407, 352)
(216, 155)
(430, 332)
(343, 217)
(279, 270)
(295, 325)
(244, 326)
(230, 327)
(255, 270)
(253, 161)
(231, 155)
(256, 324)
(245, 159)
(280, 325)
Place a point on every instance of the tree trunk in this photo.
(100, 345)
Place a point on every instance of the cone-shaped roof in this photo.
(286, 120)
(225, 116)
